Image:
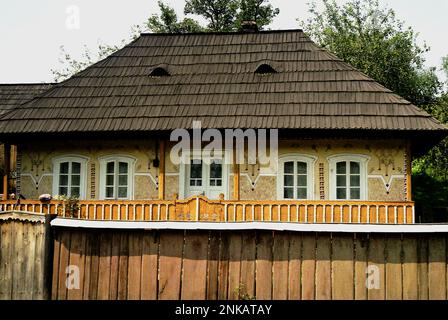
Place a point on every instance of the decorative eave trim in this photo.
(22, 216)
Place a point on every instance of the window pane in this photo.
(63, 180)
(109, 192)
(219, 182)
(301, 181)
(76, 167)
(301, 193)
(122, 180)
(76, 180)
(341, 167)
(288, 180)
(63, 191)
(341, 193)
(109, 180)
(354, 167)
(122, 167)
(355, 181)
(74, 191)
(63, 167)
(215, 169)
(196, 169)
(288, 193)
(301, 167)
(355, 193)
(110, 167)
(289, 167)
(341, 181)
(122, 192)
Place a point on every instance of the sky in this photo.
(32, 31)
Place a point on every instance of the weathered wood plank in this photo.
(6, 251)
(75, 291)
(343, 267)
(295, 262)
(264, 266)
(248, 264)
(39, 264)
(410, 268)
(29, 259)
(114, 265)
(171, 255)
(394, 277)
(150, 251)
(212, 266)
(308, 266)
(323, 267)
(223, 267)
(437, 268)
(122, 292)
(195, 266)
(422, 267)
(104, 266)
(361, 244)
(56, 264)
(376, 270)
(134, 265)
(235, 247)
(280, 266)
(64, 257)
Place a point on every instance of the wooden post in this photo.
(236, 177)
(7, 169)
(162, 171)
(408, 172)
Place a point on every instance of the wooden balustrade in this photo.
(202, 209)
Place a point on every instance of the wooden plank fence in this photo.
(168, 264)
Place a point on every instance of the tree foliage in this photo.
(374, 41)
(168, 22)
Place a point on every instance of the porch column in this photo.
(7, 169)
(162, 170)
(236, 177)
(408, 172)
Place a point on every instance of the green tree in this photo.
(220, 14)
(259, 11)
(168, 22)
(374, 41)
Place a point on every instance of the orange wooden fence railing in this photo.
(202, 209)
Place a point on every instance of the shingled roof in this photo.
(211, 77)
(13, 95)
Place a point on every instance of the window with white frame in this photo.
(295, 179)
(348, 177)
(69, 176)
(117, 175)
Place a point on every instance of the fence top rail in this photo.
(268, 226)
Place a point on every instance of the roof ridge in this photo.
(220, 32)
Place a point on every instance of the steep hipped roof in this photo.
(13, 95)
(211, 78)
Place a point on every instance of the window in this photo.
(265, 69)
(159, 72)
(295, 180)
(69, 176)
(348, 177)
(116, 177)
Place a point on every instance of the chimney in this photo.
(249, 26)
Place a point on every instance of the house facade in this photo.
(343, 142)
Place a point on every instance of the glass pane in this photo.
(109, 192)
(76, 180)
(122, 180)
(341, 167)
(289, 167)
(341, 181)
(301, 181)
(354, 167)
(122, 192)
(219, 182)
(288, 180)
(215, 170)
(109, 180)
(355, 181)
(64, 167)
(122, 167)
(76, 167)
(196, 169)
(212, 183)
(341, 193)
(63, 180)
(288, 193)
(63, 191)
(301, 167)
(74, 191)
(355, 193)
(301, 193)
(110, 167)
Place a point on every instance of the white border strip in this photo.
(274, 226)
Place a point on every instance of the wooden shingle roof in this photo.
(211, 78)
(13, 95)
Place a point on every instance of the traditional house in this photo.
(345, 142)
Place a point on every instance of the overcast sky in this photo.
(33, 30)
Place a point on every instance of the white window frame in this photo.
(103, 167)
(83, 178)
(362, 160)
(310, 164)
(184, 177)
